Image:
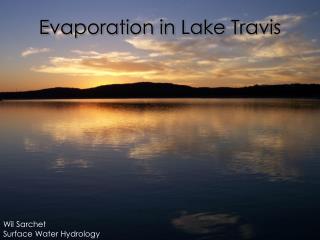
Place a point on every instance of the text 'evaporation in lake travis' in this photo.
(127, 27)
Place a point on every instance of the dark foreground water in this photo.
(164, 169)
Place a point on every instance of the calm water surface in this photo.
(164, 169)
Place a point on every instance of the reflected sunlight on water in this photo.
(222, 161)
(246, 138)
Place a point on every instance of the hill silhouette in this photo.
(169, 90)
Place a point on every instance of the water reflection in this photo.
(239, 168)
(241, 136)
(62, 163)
(214, 226)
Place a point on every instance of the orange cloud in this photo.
(99, 64)
(226, 60)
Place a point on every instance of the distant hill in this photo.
(168, 90)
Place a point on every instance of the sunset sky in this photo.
(29, 60)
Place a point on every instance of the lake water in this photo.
(164, 169)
